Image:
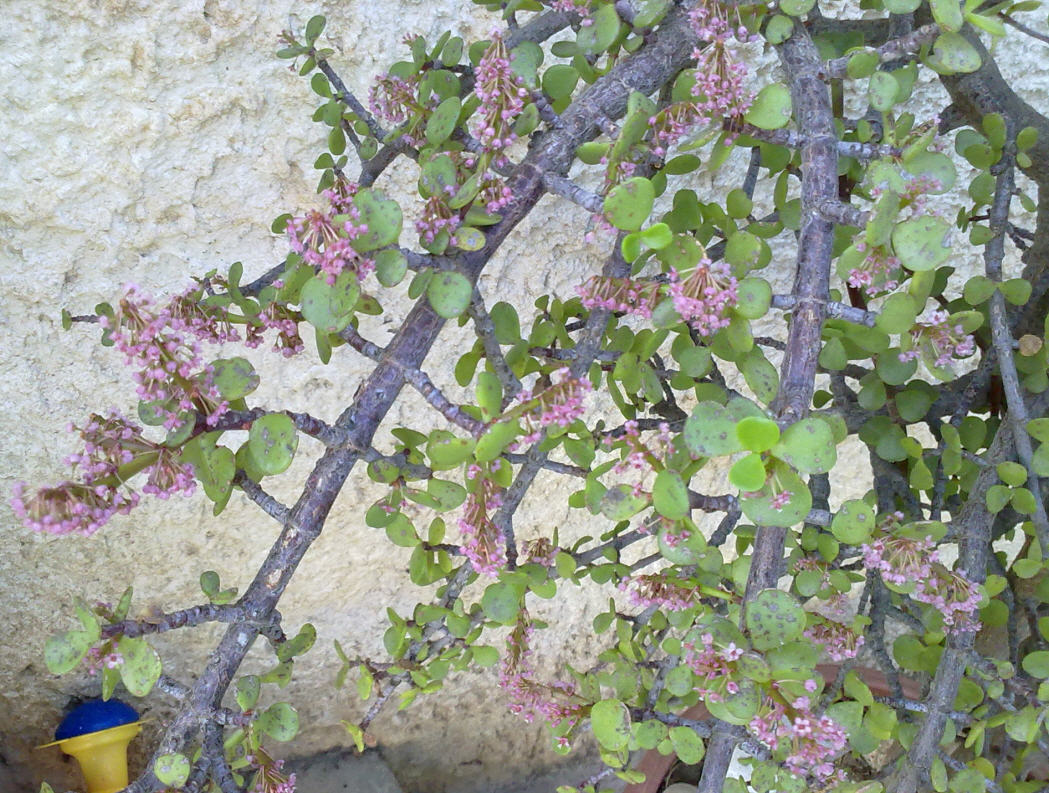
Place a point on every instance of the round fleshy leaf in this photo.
(449, 293)
(922, 243)
(680, 545)
(141, 667)
(771, 108)
(711, 431)
(779, 29)
(382, 217)
(390, 267)
(755, 297)
(468, 238)
(610, 721)
(768, 507)
(808, 445)
(760, 375)
(63, 652)
(235, 378)
(670, 495)
(501, 602)
(748, 473)
(442, 122)
(738, 708)
(745, 251)
(934, 166)
(559, 81)
(279, 721)
(495, 440)
(953, 54)
(171, 769)
(948, 14)
(688, 746)
(629, 204)
(601, 33)
(449, 495)
(853, 523)
(757, 433)
(272, 442)
(897, 313)
(882, 90)
(619, 503)
(774, 618)
(329, 307)
(447, 450)
(248, 689)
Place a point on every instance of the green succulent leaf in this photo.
(279, 721)
(610, 721)
(771, 108)
(628, 205)
(774, 618)
(922, 243)
(449, 293)
(272, 442)
(172, 769)
(329, 307)
(711, 431)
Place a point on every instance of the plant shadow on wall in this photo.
(725, 600)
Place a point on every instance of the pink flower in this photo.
(719, 92)
(623, 295)
(558, 702)
(661, 590)
(163, 343)
(559, 404)
(704, 298)
(483, 543)
(943, 341)
(903, 561)
(502, 95)
(325, 239)
(114, 450)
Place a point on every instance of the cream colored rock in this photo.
(152, 141)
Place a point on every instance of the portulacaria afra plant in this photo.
(658, 367)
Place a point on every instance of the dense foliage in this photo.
(673, 358)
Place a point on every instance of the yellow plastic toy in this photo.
(97, 734)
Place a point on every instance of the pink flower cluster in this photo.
(270, 778)
(812, 742)
(624, 295)
(325, 239)
(555, 702)
(98, 659)
(560, 403)
(719, 92)
(662, 590)
(944, 340)
(839, 641)
(704, 298)
(495, 194)
(581, 7)
(903, 561)
(710, 663)
(539, 551)
(878, 273)
(110, 444)
(437, 217)
(395, 99)
(163, 342)
(277, 317)
(502, 95)
(483, 543)
(641, 457)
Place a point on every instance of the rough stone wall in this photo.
(146, 142)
